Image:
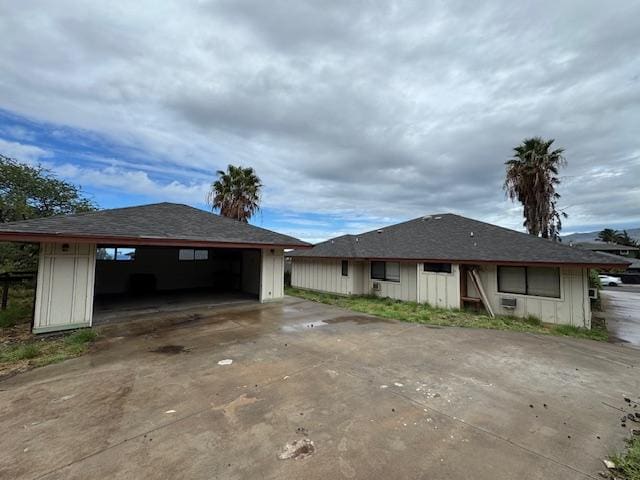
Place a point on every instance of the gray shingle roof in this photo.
(604, 246)
(449, 237)
(159, 222)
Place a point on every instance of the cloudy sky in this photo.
(354, 114)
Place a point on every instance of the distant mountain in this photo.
(591, 236)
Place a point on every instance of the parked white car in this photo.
(610, 281)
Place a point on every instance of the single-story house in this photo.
(453, 262)
(124, 254)
(607, 247)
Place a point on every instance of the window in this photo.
(388, 271)
(345, 268)
(537, 281)
(121, 254)
(437, 267)
(186, 254)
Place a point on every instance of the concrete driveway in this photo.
(378, 399)
(621, 307)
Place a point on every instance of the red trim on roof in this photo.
(117, 240)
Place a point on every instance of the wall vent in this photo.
(509, 303)
(376, 286)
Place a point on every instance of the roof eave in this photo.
(603, 265)
(35, 237)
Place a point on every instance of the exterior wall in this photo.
(64, 292)
(251, 271)
(405, 289)
(439, 289)
(572, 308)
(323, 275)
(272, 275)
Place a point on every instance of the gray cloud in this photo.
(389, 109)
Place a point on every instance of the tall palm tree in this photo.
(608, 235)
(531, 178)
(236, 193)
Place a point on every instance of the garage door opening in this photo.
(131, 280)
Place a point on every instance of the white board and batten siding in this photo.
(405, 289)
(572, 308)
(272, 275)
(64, 293)
(323, 275)
(439, 289)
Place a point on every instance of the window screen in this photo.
(543, 281)
(392, 272)
(377, 270)
(512, 280)
(536, 281)
(201, 254)
(345, 268)
(186, 254)
(437, 267)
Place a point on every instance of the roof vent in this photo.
(426, 217)
(379, 230)
(357, 239)
(332, 242)
(471, 234)
(438, 218)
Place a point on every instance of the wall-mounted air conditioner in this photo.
(376, 286)
(593, 293)
(509, 303)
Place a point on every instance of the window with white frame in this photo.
(535, 281)
(187, 254)
(387, 271)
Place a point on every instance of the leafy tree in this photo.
(31, 192)
(608, 235)
(624, 239)
(236, 193)
(532, 178)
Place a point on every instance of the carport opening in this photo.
(145, 278)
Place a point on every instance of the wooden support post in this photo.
(483, 296)
(5, 295)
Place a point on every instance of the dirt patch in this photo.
(170, 349)
(298, 449)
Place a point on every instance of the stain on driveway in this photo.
(457, 402)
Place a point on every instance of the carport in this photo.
(165, 255)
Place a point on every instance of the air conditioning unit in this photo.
(593, 293)
(376, 286)
(509, 303)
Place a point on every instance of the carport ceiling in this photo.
(169, 224)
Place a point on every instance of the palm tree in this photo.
(236, 193)
(531, 178)
(608, 235)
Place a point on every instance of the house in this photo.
(454, 262)
(607, 247)
(153, 252)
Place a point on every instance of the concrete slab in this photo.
(379, 399)
(621, 307)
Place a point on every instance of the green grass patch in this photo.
(425, 314)
(628, 464)
(37, 352)
(19, 307)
